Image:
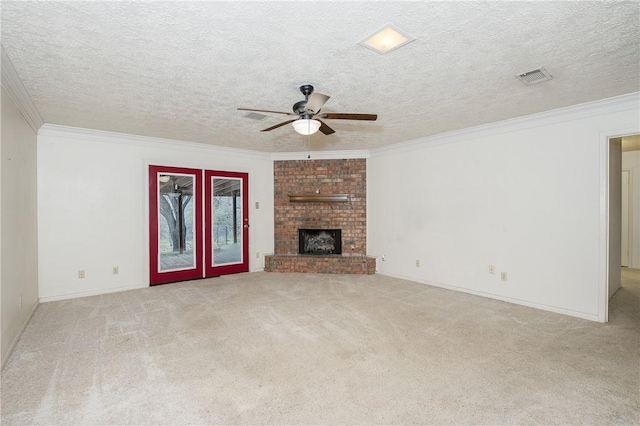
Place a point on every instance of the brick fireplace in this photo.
(305, 193)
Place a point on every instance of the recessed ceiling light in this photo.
(386, 39)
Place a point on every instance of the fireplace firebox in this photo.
(320, 241)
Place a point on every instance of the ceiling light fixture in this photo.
(386, 39)
(305, 126)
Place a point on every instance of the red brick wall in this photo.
(330, 177)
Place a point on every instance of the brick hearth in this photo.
(318, 264)
(326, 177)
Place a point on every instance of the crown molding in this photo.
(621, 103)
(320, 155)
(78, 133)
(18, 93)
(626, 102)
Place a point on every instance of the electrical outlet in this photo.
(418, 263)
(116, 270)
(492, 269)
(257, 205)
(81, 274)
(257, 255)
(503, 276)
(384, 258)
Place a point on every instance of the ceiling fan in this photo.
(308, 115)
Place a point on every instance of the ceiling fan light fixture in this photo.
(306, 126)
(386, 39)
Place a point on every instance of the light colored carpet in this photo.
(271, 348)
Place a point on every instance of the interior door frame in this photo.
(210, 269)
(604, 256)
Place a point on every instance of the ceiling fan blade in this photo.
(316, 101)
(266, 110)
(278, 125)
(325, 129)
(348, 116)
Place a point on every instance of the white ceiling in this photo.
(178, 70)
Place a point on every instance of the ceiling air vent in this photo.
(535, 76)
(256, 116)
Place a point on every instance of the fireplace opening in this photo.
(320, 241)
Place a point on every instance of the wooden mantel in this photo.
(314, 198)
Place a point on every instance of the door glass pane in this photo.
(175, 222)
(227, 221)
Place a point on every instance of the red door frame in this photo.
(210, 269)
(155, 276)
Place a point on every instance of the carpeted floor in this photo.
(271, 348)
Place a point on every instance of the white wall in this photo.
(19, 270)
(524, 195)
(93, 205)
(631, 162)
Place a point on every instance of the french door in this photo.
(197, 230)
(227, 223)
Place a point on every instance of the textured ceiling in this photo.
(178, 70)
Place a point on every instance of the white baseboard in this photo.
(577, 314)
(19, 335)
(89, 293)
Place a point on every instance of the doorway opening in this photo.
(623, 223)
